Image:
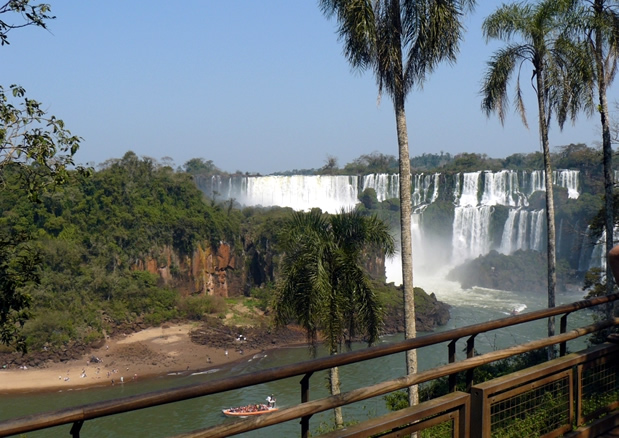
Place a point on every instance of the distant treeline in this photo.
(573, 156)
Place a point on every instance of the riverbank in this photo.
(170, 348)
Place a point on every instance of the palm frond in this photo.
(324, 286)
(507, 21)
(499, 70)
(356, 29)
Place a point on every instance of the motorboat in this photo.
(518, 308)
(249, 410)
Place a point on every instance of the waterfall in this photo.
(470, 187)
(331, 192)
(474, 195)
(536, 182)
(435, 193)
(523, 230)
(566, 178)
(387, 186)
(416, 196)
(470, 232)
(538, 223)
(501, 188)
(514, 232)
(422, 184)
(416, 234)
(303, 192)
(471, 222)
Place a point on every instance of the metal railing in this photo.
(304, 411)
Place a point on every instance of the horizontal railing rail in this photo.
(78, 415)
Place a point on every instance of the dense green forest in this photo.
(89, 235)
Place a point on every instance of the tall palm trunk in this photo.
(550, 205)
(410, 329)
(398, 96)
(335, 387)
(607, 149)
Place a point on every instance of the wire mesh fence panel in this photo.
(532, 410)
(599, 388)
(443, 430)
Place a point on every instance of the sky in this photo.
(254, 86)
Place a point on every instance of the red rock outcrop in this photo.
(207, 271)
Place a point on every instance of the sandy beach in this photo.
(151, 352)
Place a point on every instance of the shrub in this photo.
(56, 329)
(196, 307)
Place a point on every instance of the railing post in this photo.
(75, 429)
(470, 352)
(453, 378)
(563, 329)
(305, 398)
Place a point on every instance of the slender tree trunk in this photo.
(398, 96)
(607, 151)
(407, 243)
(335, 387)
(550, 205)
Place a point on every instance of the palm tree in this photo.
(596, 24)
(323, 284)
(401, 42)
(536, 26)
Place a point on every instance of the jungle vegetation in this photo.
(76, 261)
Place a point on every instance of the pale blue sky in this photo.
(257, 86)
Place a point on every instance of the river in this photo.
(468, 307)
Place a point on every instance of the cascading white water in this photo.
(512, 234)
(470, 228)
(416, 233)
(303, 193)
(422, 184)
(569, 179)
(470, 187)
(501, 188)
(537, 182)
(471, 237)
(471, 221)
(435, 193)
(539, 229)
(523, 230)
(416, 196)
(387, 186)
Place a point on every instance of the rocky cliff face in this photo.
(224, 272)
(208, 271)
